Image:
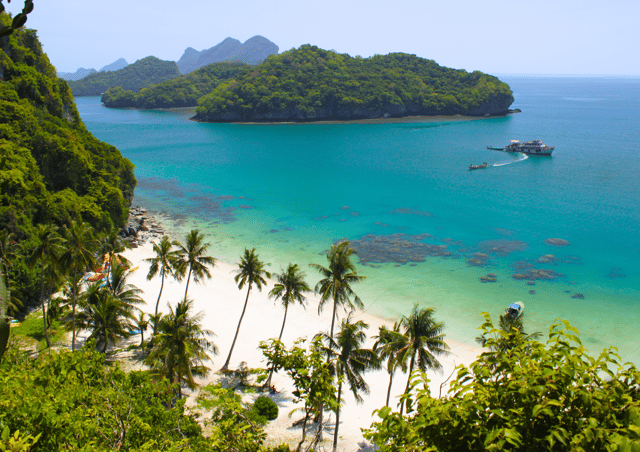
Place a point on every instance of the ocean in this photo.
(427, 229)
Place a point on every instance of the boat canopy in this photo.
(514, 306)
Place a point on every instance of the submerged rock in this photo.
(557, 242)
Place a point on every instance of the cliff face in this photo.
(51, 168)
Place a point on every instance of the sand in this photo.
(221, 301)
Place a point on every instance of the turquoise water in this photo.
(292, 190)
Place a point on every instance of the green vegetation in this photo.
(141, 74)
(266, 407)
(310, 83)
(183, 91)
(52, 170)
(532, 397)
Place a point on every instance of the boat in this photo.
(515, 309)
(533, 147)
(472, 167)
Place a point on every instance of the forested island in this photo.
(183, 91)
(142, 73)
(312, 84)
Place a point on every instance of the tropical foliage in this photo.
(134, 77)
(309, 83)
(532, 397)
(183, 91)
(164, 263)
(192, 259)
(181, 346)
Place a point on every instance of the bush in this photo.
(266, 407)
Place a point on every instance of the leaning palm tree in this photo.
(388, 344)
(180, 346)
(289, 289)
(163, 263)
(45, 253)
(127, 294)
(107, 317)
(250, 272)
(80, 246)
(425, 341)
(336, 284)
(349, 361)
(193, 258)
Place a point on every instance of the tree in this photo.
(111, 247)
(181, 346)
(514, 325)
(19, 20)
(311, 375)
(128, 294)
(388, 344)
(80, 246)
(425, 341)
(349, 361)
(142, 323)
(336, 284)
(163, 263)
(532, 397)
(107, 317)
(193, 258)
(250, 272)
(289, 289)
(46, 252)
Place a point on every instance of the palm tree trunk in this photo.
(155, 323)
(304, 428)
(286, 308)
(389, 390)
(73, 319)
(188, 278)
(44, 312)
(233, 344)
(335, 430)
(406, 390)
(333, 316)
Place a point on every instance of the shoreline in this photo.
(221, 301)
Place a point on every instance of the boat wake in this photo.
(521, 157)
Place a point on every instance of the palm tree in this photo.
(8, 247)
(193, 259)
(107, 317)
(510, 333)
(80, 246)
(388, 344)
(425, 341)
(289, 289)
(350, 361)
(336, 284)
(250, 271)
(128, 294)
(180, 346)
(111, 246)
(46, 253)
(163, 263)
(142, 323)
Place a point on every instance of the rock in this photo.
(531, 283)
(492, 275)
(532, 292)
(557, 242)
(579, 296)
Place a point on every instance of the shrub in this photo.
(266, 407)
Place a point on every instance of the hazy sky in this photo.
(493, 36)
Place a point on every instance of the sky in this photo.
(564, 37)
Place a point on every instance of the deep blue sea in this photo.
(425, 226)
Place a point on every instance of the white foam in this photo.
(521, 157)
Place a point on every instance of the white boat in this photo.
(533, 147)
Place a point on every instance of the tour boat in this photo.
(534, 147)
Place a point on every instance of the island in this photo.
(312, 84)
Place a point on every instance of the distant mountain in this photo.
(77, 75)
(252, 51)
(115, 66)
(134, 77)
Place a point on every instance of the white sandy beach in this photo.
(222, 301)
